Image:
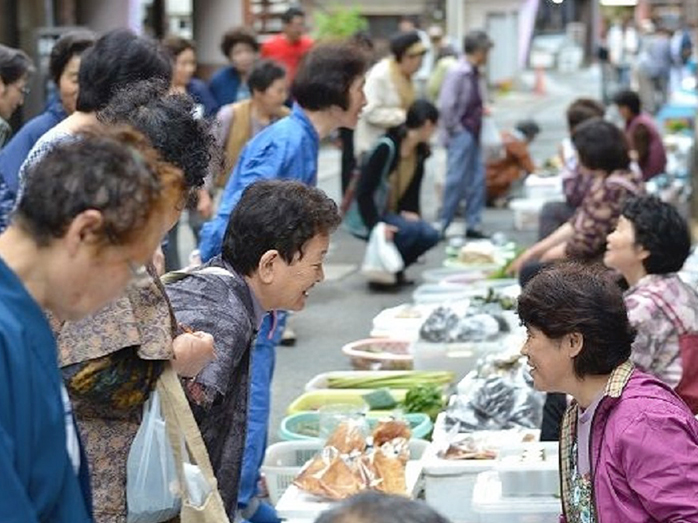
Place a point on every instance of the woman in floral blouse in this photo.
(649, 245)
(603, 155)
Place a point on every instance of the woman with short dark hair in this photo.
(389, 90)
(603, 156)
(15, 68)
(649, 245)
(629, 444)
(229, 84)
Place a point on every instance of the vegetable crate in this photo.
(302, 425)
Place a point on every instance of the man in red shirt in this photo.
(289, 46)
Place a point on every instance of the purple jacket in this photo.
(655, 161)
(460, 101)
(644, 452)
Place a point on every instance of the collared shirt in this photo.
(455, 97)
(287, 149)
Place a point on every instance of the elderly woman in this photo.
(629, 445)
(389, 90)
(603, 156)
(649, 245)
(15, 68)
(64, 64)
(112, 359)
(92, 214)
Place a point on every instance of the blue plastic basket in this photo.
(420, 425)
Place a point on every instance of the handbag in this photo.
(352, 220)
(382, 259)
(687, 388)
(201, 500)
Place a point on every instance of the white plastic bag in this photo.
(382, 259)
(491, 140)
(152, 485)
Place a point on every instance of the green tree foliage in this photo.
(338, 22)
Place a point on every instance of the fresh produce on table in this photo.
(394, 380)
(424, 398)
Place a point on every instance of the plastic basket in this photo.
(283, 461)
(315, 399)
(379, 354)
(420, 425)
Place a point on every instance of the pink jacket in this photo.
(644, 452)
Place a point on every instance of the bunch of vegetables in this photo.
(396, 380)
(424, 398)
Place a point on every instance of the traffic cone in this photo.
(539, 83)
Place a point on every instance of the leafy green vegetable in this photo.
(424, 398)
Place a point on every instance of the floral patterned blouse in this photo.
(656, 346)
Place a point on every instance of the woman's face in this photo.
(184, 68)
(622, 253)
(68, 84)
(274, 96)
(426, 131)
(411, 62)
(357, 100)
(12, 96)
(550, 362)
(242, 57)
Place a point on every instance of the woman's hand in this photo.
(204, 204)
(515, 266)
(192, 352)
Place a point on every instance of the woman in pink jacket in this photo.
(629, 445)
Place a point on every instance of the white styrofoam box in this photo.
(526, 212)
(491, 507)
(529, 469)
(403, 321)
(442, 292)
(543, 187)
(438, 274)
(459, 358)
(448, 484)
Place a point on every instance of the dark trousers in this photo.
(552, 215)
(346, 136)
(413, 238)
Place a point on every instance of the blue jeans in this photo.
(465, 179)
(259, 408)
(413, 238)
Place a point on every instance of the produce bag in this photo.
(491, 140)
(382, 259)
(152, 485)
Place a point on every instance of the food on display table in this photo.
(349, 463)
(477, 253)
(424, 398)
(445, 325)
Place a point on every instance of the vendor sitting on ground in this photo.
(516, 163)
(603, 157)
(650, 244)
(629, 445)
(390, 181)
(645, 142)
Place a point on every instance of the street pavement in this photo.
(340, 309)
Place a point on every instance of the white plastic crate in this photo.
(543, 187)
(283, 461)
(491, 507)
(529, 469)
(526, 213)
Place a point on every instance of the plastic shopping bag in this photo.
(491, 140)
(152, 485)
(382, 259)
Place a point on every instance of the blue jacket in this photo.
(287, 149)
(15, 152)
(37, 479)
(224, 85)
(201, 94)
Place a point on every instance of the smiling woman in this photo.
(89, 209)
(628, 445)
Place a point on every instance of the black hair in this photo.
(371, 507)
(529, 128)
(601, 146)
(476, 40)
(176, 45)
(116, 60)
(326, 74)
(420, 112)
(291, 13)
(263, 74)
(629, 99)
(116, 172)
(583, 109)
(661, 230)
(280, 215)
(14, 64)
(401, 42)
(570, 297)
(73, 43)
(168, 121)
(238, 35)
